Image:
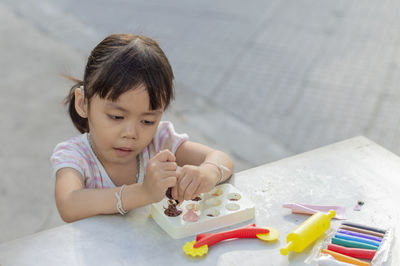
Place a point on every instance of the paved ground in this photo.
(261, 80)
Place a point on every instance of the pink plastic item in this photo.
(311, 209)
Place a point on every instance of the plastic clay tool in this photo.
(199, 247)
(311, 209)
(353, 252)
(352, 244)
(345, 258)
(359, 230)
(223, 206)
(350, 233)
(370, 228)
(357, 239)
(308, 232)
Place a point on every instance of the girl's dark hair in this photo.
(119, 63)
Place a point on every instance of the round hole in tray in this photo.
(213, 202)
(212, 212)
(217, 192)
(232, 206)
(194, 206)
(234, 196)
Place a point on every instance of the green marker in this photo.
(352, 244)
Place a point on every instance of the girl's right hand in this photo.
(160, 175)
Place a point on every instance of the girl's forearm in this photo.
(86, 203)
(224, 163)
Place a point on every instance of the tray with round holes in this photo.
(223, 206)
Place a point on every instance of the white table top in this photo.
(339, 174)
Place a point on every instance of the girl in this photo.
(126, 157)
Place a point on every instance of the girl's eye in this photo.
(147, 122)
(115, 117)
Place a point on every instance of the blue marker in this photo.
(357, 239)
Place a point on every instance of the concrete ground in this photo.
(261, 80)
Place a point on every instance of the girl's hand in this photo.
(193, 180)
(160, 175)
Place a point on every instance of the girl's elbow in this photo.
(66, 214)
(67, 217)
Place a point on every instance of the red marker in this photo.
(353, 252)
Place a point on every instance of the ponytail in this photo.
(79, 122)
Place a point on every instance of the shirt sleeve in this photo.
(66, 155)
(167, 138)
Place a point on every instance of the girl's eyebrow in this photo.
(116, 106)
(155, 112)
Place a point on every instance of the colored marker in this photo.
(352, 244)
(357, 239)
(370, 228)
(350, 233)
(345, 258)
(353, 252)
(363, 231)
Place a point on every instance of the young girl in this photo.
(126, 157)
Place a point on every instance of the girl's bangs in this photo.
(128, 71)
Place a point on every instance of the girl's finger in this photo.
(169, 181)
(191, 189)
(183, 183)
(165, 156)
(166, 174)
(170, 166)
(174, 192)
(198, 191)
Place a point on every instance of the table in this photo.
(338, 174)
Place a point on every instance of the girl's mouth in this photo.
(123, 151)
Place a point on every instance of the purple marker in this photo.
(350, 233)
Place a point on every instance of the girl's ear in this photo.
(81, 105)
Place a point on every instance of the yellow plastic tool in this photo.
(199, 247)
(308, 232)
(192, 251)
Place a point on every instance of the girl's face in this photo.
(121, 129)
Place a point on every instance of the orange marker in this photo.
(345, 258)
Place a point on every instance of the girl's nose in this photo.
(130, 131)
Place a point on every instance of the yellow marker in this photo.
(308, 232)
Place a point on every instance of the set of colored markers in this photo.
(355, 244)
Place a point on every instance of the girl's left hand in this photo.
(193, 180)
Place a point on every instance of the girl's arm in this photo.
(75, 202)
(193, 153)
(212, 167)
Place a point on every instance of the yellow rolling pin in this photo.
(308, 232)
